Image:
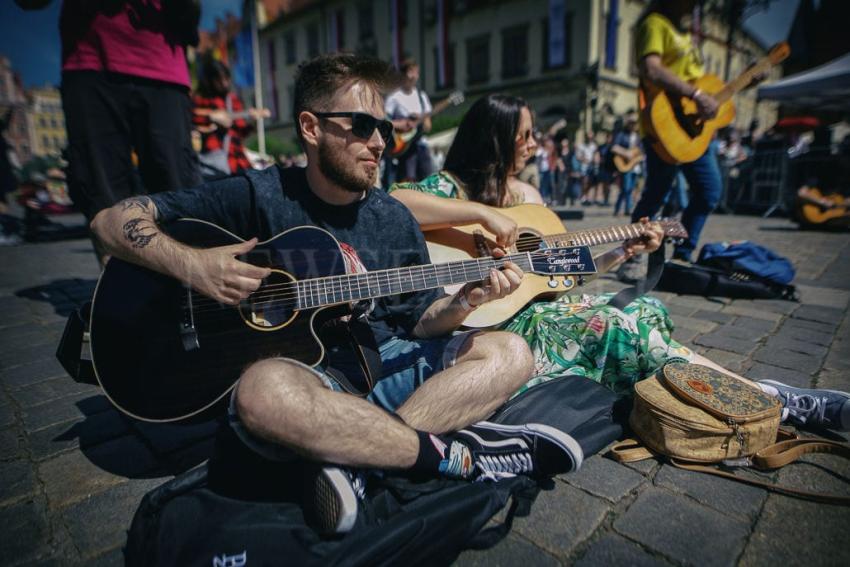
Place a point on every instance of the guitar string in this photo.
(391, 278)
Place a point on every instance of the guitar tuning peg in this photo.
(569, 283)
(552, 283)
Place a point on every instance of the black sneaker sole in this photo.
(331, 501)
(555, 436)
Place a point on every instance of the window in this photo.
(289, 47)
(450, 68)
(365, 21)
(568, 38)
(478, 59)
(45, 142)
(515, 51)
(42, 122)
(312, 40)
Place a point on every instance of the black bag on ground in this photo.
(694, 279)
(240, 509)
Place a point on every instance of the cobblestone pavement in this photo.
(73, 469)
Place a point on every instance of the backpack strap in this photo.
(630, 450)
(653, 274)
(785, 452)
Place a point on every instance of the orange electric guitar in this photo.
(539, 227)
(679, 134)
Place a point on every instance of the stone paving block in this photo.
(685, 336)
(796, 532)
(647, 467)
(699, 325)
(606, 478)
(24, 533)
(805, 335)
(794, 345)
(63, 437)
(819, 313)
(612, 549)
(509, 552)
(111, 558)
(74, 476)
(824, 296)
(837, 361)
(17, 481)
(17, 337)
(751, 323)
(49, 390)
(7, 415)
(100, 522)
(678, 311)
(11, 443)
(753, 312)
(817, 326)
(63, 410)
(714, 316)
(722, 340)
(761, 371)
(696, 302)
(772, 305)
(804, 363)
(10, 358)
(721, 494)
(32, 373)
(683, 530)
(562, 518)
(729, 360)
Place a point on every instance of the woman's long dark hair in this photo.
(211, 71)
(482, 154)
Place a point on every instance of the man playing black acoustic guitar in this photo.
(425, 413)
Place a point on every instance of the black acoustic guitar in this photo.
(163, 352)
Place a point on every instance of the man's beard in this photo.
(341, 174)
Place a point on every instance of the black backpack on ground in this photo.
(239, 509)
(695, 279)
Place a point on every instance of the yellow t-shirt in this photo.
(657, 34)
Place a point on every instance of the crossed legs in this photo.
(284, 402)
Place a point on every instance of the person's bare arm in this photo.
(653, 70)
(432, 212)
(129, 231)
(621, 151)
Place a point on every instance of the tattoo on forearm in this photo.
(139, 232)
(141, 203)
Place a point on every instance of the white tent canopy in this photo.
(826, 87)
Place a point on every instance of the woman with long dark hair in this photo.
(576, 334)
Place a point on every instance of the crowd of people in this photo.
(427, 415)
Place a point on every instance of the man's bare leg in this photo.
(286, 403)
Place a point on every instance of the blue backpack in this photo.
(749, 258)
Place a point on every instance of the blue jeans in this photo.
(407, 364)
(705, 184)
(625, 197)
(546, 186)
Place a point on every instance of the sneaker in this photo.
(330, 498)
(500, 451)
(811, 407)
(633, 270)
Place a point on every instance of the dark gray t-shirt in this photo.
(379, 228)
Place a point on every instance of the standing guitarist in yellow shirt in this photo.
(668, 60)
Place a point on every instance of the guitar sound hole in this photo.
(528, 242)
(273, 304)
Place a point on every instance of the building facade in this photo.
(570, 59)
(12, 97)
(46, 122)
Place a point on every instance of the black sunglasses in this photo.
(362, 124)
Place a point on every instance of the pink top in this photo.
(132, 41)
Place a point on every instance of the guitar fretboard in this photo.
(593, 237)
(332, 290)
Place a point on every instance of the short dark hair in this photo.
(319, 79)
(483, 151)
(408, 63)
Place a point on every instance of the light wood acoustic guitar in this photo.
(403, 142)
(626, 164)
(679, 135)
(817, 208)
(539, 227)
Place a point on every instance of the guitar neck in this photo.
(776, 55)
(595, 236)
(320, 292)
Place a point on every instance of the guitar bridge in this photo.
(188, 333)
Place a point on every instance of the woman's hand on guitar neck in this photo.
(216, 273)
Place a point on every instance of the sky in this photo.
(31, 39)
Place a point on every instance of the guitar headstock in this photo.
(456, 98)
(570, 260)
(779, 52)
(673, 228)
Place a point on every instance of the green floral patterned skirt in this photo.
(582, 335)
